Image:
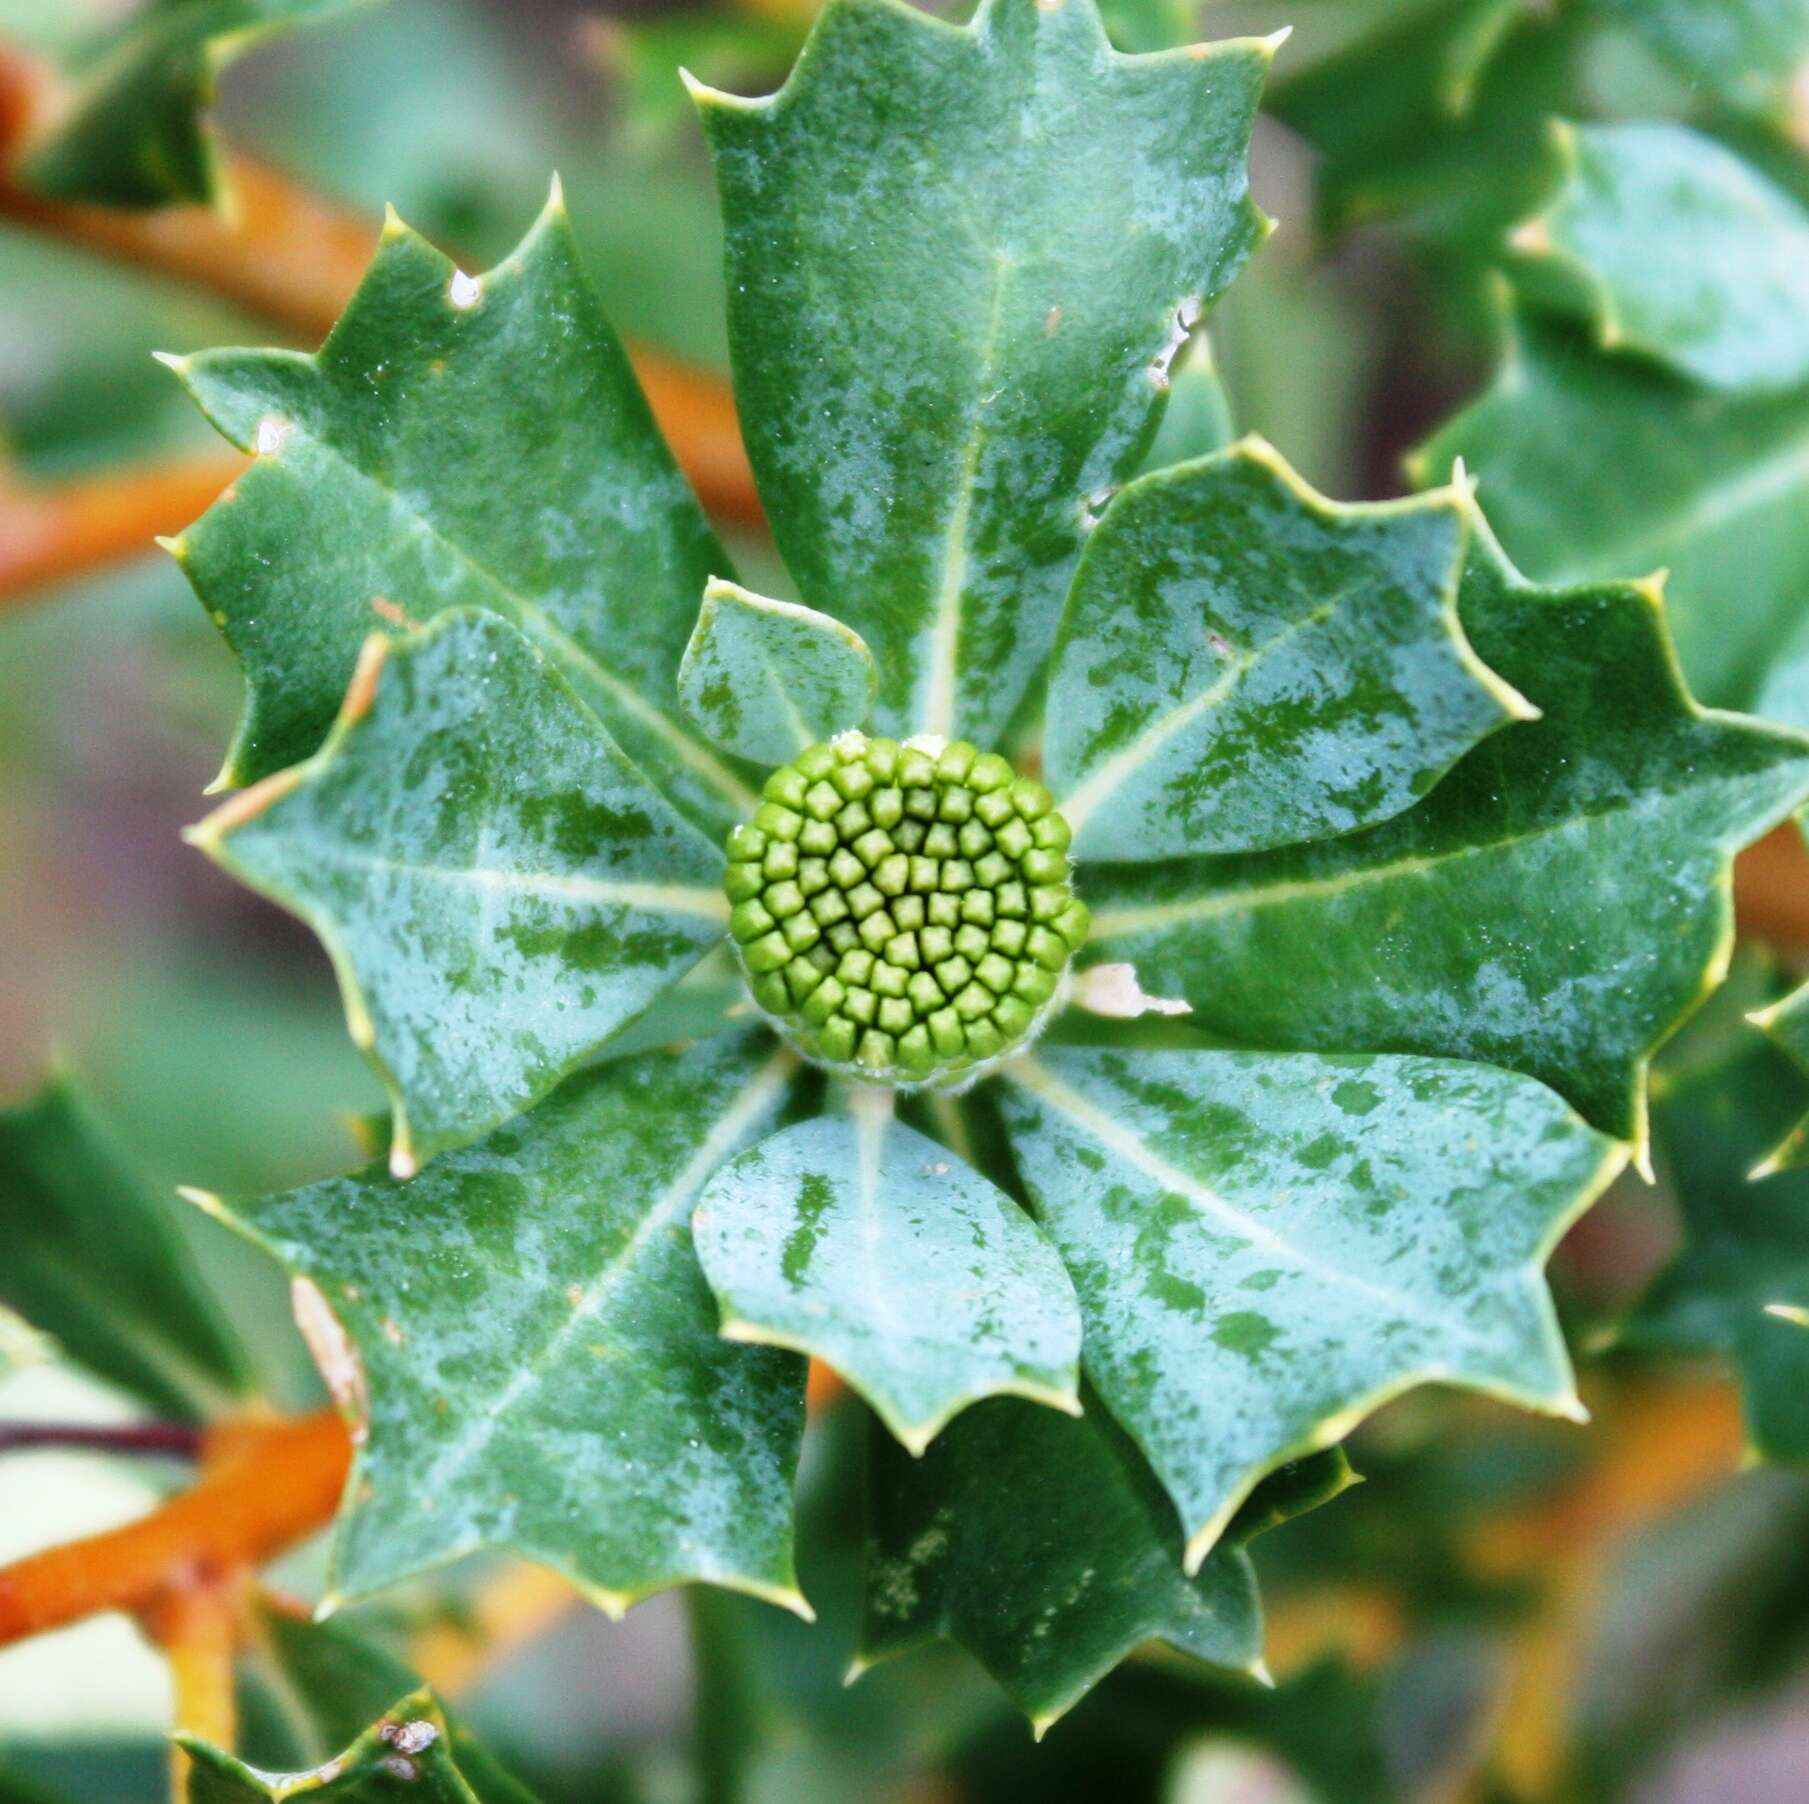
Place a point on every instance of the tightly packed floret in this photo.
(903, 912)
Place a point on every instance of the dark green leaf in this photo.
(961, 261)
(857, 1240)
(458, 441)
(765, 679)
(499, 888)
(94, 1259)
(526, 1334)
(1244, 664)
(1509, 917)
(131, 130)
(1678, 249)
(1269, 1246)
(1197, 420)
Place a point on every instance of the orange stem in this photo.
(53, 530)
(265, 1487)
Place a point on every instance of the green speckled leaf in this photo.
(764, 679)
(131, 130)
(1267, 1246)
(1514, 916)
(859, 1241)
(91, 1257)
(533, 1350)
(1739, 1286)
(1593, 465)
(1045, 1546)
(1244, 664)
(1748, 53)
(458, 441)
(498, 887)
(960, 263)
(1679, 250)
(409, 1752)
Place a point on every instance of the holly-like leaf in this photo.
(1043, 1545)
(1740, 1284)
(859, 1241)
(1786, 1020)
(409, 1752)
(1594, 466)
(1197, 420)
(499, 888)
(1244, 664)
(1676, 248)
(94, 1259)
(1748, 53)
(765, 679)
(961, 261)
(1555, 906)
(457, 441)
(531, 1348)
(1268, 1246)
(131, 130)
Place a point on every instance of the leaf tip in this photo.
(403, 1164)
(858, 1668)
(173, 361)
(394, 225)
(1259, 1670)
(207, 1201)
(1270, 46)
(1041, 1722)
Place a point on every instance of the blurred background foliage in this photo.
(1505, 1609)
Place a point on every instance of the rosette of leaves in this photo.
(1435, 858)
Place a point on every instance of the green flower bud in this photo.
(903, 913)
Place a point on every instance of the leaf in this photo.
(132, 129)
(1596, 466)
(95, 1260)
(1512, 917)
(1679, 250)
(21, 1345)
(1245, 664)
(1044, 1545)
(458, 441)
(409, 1752)
(1748, 53)
(961, 261)
(1786, 1021)
(533, 1351)
(1740, 1283)
(1268, 1246)
(498, 887)
(857, 1240)
(765, 679)
(1197, 420)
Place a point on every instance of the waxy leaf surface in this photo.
(960, 263)
(1747, 53)
(1739, 1285)
(1681, 251)
(1243, 664)
(1267, 1246)
(457, 441)
(865, 1244)
(131, 128)
(764, 679)
(1593, 465)
(1510, 916)
(92, 1257)
(534, 1351)
(1042, 1543)
(500, 889)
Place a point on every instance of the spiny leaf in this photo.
(93, 1259)
(457, 441)
(1044, 1545)
(1267, 1246)
(764, 679)
(1244, 664)
(1508, 918)
(960, 264)
(857, 1240)
(1786, 1020)
(1740, 1284)
(408, 1753)
(1594, 465)
(1197, 419)
(1678, 249)
(132, 130)
(533, 1350)
(499, 888)
(1748, 53)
